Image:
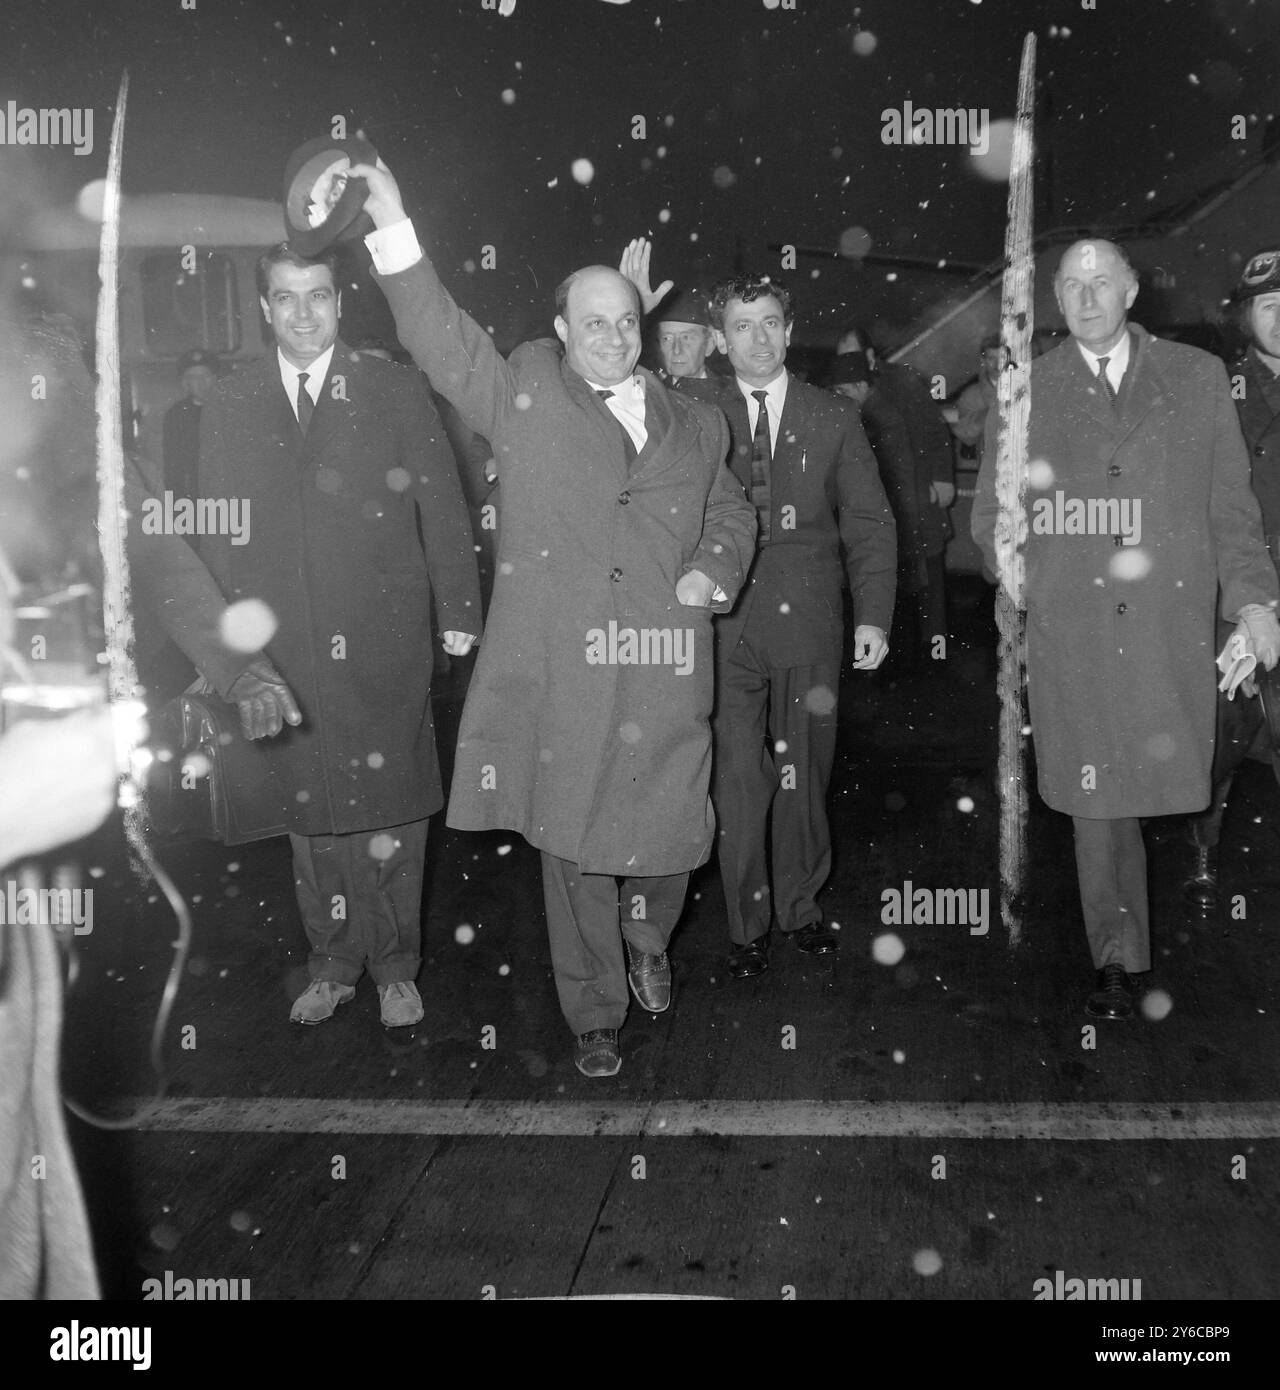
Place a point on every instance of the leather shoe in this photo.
(1112, 998)
(596, 1053)
(1200, 888)
(319, 1001)
(815, 939)
(751, 959)
(650, 980)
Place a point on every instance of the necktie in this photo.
(305, 405)
(761, 459)
(1106, 380)
(628, 443)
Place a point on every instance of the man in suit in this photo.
(1248, 726)
(180, 436)
(683, 337)
(586, 725)
(1139, 513)
(802, 456)
(337, 460)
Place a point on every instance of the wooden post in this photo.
(1017, 305)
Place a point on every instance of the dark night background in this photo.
(1136, 101)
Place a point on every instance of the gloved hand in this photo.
(1258, 624)
(266, 703)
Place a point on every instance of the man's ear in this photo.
(718, 339)
(339, 304)
(562, 330)
(1130, 295)
(266, 308)
(786, 333)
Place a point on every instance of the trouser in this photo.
(775, 744)
(586, 926)
(360, 896)
(1111, 863)
(1245, 725)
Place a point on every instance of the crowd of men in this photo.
(660, 656)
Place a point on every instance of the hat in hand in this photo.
(322, 205)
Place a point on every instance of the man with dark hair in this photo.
(930, 440)
(354, 520)
(979, 397)
(1139, 514)
(1248, 726)
(801, 454)
(586, 724)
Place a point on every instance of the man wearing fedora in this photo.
(1248, 726)
(355, 523)
(683, 337)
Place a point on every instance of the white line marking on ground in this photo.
(740, 1119)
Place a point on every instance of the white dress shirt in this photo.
(1118, 360)
(775, 399)
(394, 248)
(316, 372)
(627, 405)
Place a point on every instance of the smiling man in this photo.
(616, 508)
(1120, 638)
(358, 523)
(805, 462)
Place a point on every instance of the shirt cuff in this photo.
(394, 248)
(719, 596)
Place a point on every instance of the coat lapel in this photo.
(603, 420)
(333, 408)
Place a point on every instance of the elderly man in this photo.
(586, 725)
(1139, 513)
(1248, 726)
(683, 336)
(803, 456)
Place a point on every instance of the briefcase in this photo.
(186, 786)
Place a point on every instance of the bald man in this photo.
(586, 727)
(1140, 522)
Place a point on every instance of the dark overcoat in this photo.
(1120, 638)
(602, 763)
(839, 525)
(334, 552)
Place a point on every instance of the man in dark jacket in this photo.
(1248, 726)
(198, 372)
(801, 454)
(586, 724)
(330, 462)
(1139, 513)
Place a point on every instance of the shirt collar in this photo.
(316, 372)
(1117, 358)
(776, 391)
(629, 394)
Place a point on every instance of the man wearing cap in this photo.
(1139, 515)
(803, 457)
(683, 337)
(586, 724)
(198, 370)
(354, 523)
(1248, 726)
(979, 397)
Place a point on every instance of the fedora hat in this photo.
(321, 205)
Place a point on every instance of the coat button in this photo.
(1120, 607)
(615, 574)
(624, 498)
(1259, 450)
(1114, 471)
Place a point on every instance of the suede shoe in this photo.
(1113, 997)
(401, 1004)
(319, 1000)
(650, 980)
(596, 1053)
